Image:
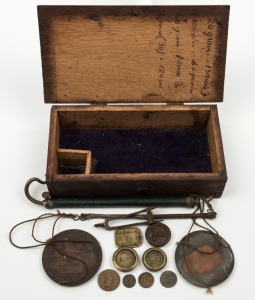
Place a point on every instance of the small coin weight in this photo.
(130, 237)
(168, 279)
(154, 259)
(129, 280)
(72, 257)
(125, 259)
(158, 234)
(108, 280)
(146, 280)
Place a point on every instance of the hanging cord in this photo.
(219, 243)
(44, 216)
(210, 228)
(52, 241)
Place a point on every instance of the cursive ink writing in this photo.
(205, 91)
(193, 35)
(161, 44)
(177, 37)
(161, 40)
(209, 34)
(178, 65)
(192, 75)
(161, 51)
(161, 76)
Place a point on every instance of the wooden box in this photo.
(134, 68)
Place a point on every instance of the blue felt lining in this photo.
(143, 150)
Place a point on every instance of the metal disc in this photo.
(200, 269)
(125, 259)
(168, 279)
(129, 280)
(146, 280)
(158, 234)
(72, 258)
(108, 280)
(154, 259)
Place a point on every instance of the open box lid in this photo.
(133, 54)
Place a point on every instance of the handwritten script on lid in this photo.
(133, 54)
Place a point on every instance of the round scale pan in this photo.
(200, 269)
(72, 258)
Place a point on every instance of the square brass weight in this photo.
(129, 237)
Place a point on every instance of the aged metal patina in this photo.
(204, 258)
(147, 215)
(154, 259)
(158, 234)
(128, 237)
(168, 279)
(72, 257)
(146, 280)
(108, 280)
(125, 259)
(49, 202)
(129, 281)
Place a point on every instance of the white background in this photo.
(24, 120)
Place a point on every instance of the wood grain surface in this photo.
(133, 54)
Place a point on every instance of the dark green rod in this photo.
(121, 202)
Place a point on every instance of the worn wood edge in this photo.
(48, 76)
(52, 143)
(180, 107)
(218, 142)
(221, 59)
(88, 163)
(62, 150)
(139, 176)
(132, 10)
(211, 143)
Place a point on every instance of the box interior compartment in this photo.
(135, 141)
(72, 161)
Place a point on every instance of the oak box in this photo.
(132, 70)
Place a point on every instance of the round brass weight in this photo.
(154, 259)
(204, 259)
(125, 259)
(72, 258)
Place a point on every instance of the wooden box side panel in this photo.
(215, 144)
(133, 117)
(138, 185)
(53, 145)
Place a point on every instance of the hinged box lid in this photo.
(125, 54)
